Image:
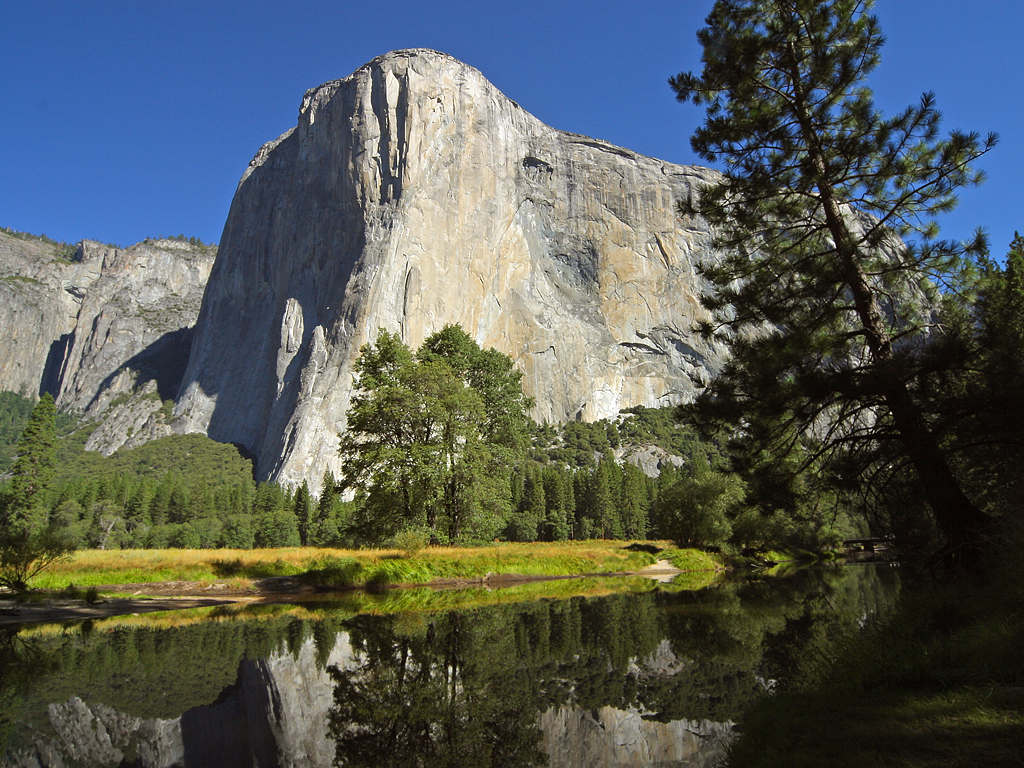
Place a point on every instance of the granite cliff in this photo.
(105, 330)
(413, 194)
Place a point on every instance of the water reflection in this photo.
(638, 678)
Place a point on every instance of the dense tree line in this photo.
(536, 483)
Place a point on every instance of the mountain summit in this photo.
(412, 194)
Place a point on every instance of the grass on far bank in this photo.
(344, 568)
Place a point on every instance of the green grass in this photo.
(345, 568)
(693, 560)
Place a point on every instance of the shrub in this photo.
(410, 540)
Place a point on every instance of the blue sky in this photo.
(123, 120)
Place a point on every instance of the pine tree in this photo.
(556, 482)
(27, 543)
(303, 513)
(633, 503)
(823, 305)
(32, 470)
(325, 529)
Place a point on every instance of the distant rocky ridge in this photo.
(106, 331)
(410, 195)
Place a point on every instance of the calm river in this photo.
(625, 673)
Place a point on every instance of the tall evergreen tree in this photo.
(633, 503)
(32, 470)
(303, 513)
(824, 307)
(27, 543)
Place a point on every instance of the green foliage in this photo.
(303, 510)
(411, 540)
(14, 413)
(975, 390)
(190, 491)
(430, 439)
(191, 240)
(28, 542)
(935, 682)
(32, 470)
(823, 306)
(695, 511)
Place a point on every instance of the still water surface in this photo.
(646, 675)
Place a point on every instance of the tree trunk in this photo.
(960, 520)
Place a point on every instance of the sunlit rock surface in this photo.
(101, 327)
(413, 194)
(575, 738)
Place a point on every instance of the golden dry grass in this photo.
(132, 566)
(420, 600)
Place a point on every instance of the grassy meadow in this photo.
(348, 567)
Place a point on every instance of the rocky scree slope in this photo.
(413, 194)
(105, 330)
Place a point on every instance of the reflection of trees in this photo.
(468, 688)
(735, 639)
(453, 695)
(21, 664)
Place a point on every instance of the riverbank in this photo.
(240, 570)
(130, 580)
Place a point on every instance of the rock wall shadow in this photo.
(56, 359)
(163, 361)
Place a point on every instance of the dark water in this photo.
(648, 676)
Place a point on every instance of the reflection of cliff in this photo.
(275, 715)
(617, 737)
(624, 680)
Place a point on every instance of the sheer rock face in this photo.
(40, 296)
(413, 194)
(107, 327)
(576, 738)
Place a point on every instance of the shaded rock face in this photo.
(40, 296)
(108, 327)
(413, 194)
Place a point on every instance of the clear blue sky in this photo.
(122, 120)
